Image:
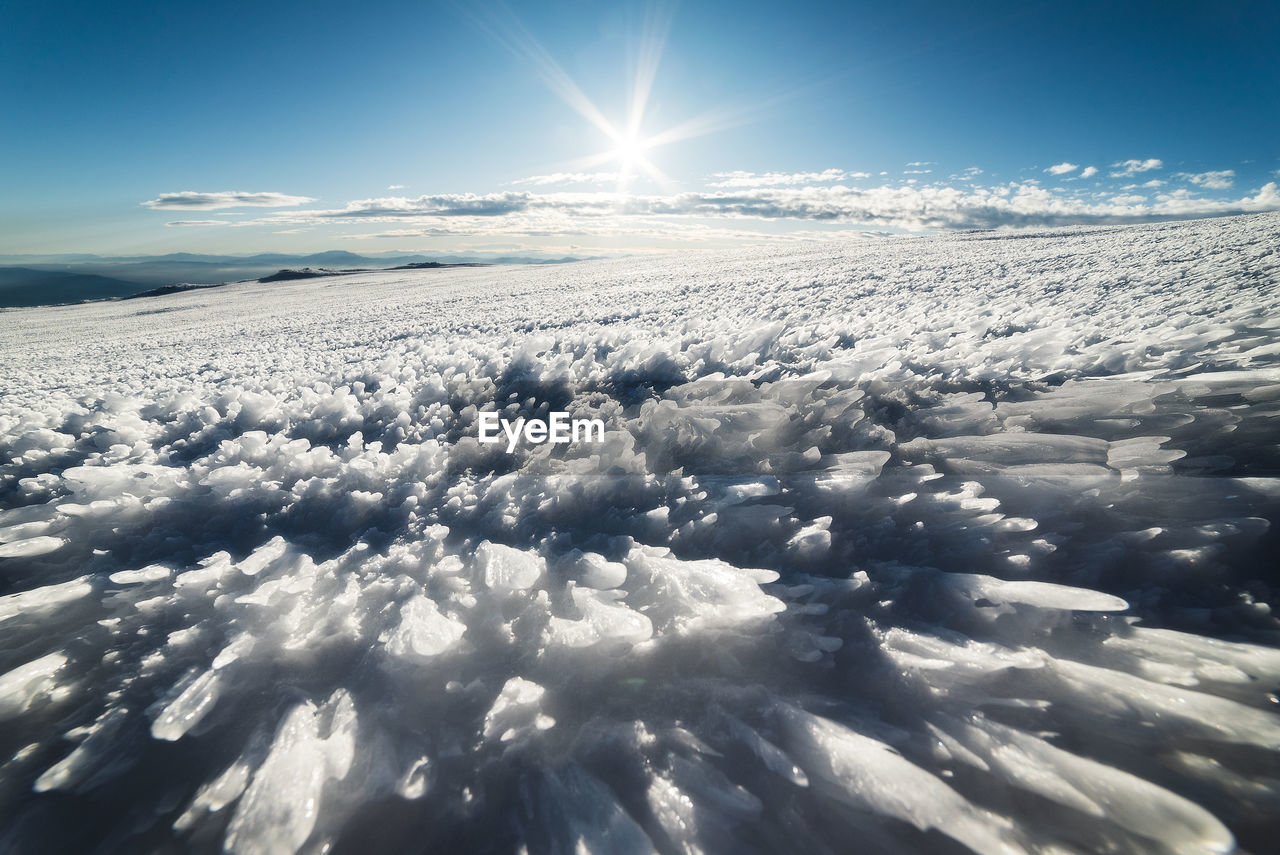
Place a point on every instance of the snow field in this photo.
(932, 544)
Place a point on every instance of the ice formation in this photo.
(929, 544)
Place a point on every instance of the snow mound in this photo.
(932, 544)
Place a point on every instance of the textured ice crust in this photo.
(922, 545)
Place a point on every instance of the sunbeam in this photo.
(631, 149)
(647, 57)
(499, 22)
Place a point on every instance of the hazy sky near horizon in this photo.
(584, 128)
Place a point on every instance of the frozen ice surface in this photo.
(931, 544)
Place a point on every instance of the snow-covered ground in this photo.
(924, 544)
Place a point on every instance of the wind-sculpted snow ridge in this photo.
(917, 545)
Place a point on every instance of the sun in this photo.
(629, 151)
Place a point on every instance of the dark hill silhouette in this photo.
(22, 286)
(437, 265)
(289, 274)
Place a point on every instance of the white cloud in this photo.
(769, 179)
(395, 186)
(916, 171)
(570, 178)
(1125, 168)
(1089, 172)
(190, 200)
(1219, 180)
(442, 205)
(197, 223)
(933, 207)
(658, 229)
(923, 163)
(1062, 168)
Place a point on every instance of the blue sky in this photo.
(480, 127)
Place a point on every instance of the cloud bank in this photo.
(764, 206)
(910, 207)
(190, 200)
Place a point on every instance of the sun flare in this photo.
(630, 151)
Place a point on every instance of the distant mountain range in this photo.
(42, 280)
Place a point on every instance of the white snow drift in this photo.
(924, 544)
